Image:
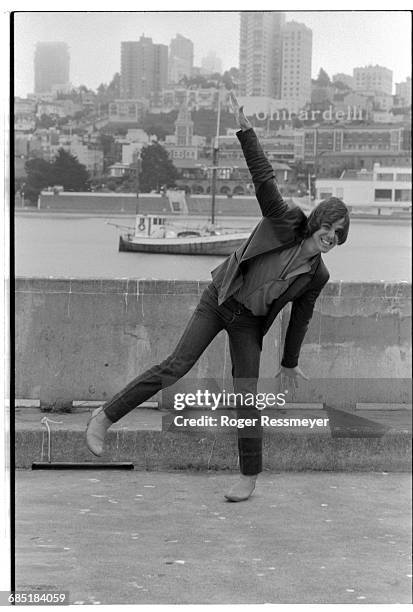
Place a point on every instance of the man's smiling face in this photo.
(326, 238)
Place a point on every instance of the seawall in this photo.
(85, 339)
(146, 203)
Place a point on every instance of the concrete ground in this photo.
(171, 538)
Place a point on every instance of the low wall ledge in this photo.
(140, 287)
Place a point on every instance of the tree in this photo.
(323, 80)
(67, 171)
(45, 121)
(39, 176)
(157, 169)
(342, 86)
(108, 93)
(230, 78)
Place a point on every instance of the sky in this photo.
(341, 39)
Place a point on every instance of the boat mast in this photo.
(215, 161)
(137, 186)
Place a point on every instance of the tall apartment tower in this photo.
(51, 66)
(144, 68)
(373, 79)
(260, 53)
(297, 44)
(181, 58)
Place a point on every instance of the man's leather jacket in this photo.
(283, 225)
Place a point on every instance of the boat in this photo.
(153, 234)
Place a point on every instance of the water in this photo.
(87, 247)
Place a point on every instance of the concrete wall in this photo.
(85, 339)
(148, 203)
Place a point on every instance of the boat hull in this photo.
(210, 245)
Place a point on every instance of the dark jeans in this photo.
(245, 342)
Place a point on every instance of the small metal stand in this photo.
(72, 465)
(86, 465)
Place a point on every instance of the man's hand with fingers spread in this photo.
(290, 376)
(239, 115)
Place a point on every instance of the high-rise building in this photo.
(211, 64)
(297, 43)
(181, 58)
(260, 53)
(51, 66)
(144, 68)
(373, 79)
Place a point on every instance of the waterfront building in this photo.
(383, 187)
(51, 66)
(331, 149)
(233, 177)
(321, 139)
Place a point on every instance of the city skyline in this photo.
(334, 53)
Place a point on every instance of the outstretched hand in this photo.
(289, 377)
(239, 115)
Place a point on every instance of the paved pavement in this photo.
(171, 538)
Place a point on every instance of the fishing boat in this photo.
(155, 234)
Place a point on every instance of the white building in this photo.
(404, 91)
(372, 79)
(384, 187)
(127, 111)
(297, 44)
(85, 154)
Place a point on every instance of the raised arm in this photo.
(271, 202)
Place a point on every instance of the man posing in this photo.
(279, 263)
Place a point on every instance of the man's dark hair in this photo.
(329, 211)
